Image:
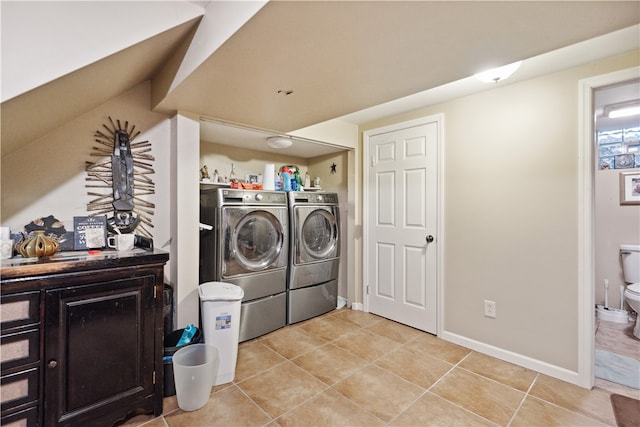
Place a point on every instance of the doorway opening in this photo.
(587, 220)
(617, 151)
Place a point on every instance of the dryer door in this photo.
(254, 241)
(317, 238)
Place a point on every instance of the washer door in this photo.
(254, 241)
(317, 238)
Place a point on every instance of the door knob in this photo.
(52, 363)
(429, 238)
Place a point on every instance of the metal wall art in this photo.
(124, 170)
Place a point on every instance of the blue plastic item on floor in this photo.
(187, 335)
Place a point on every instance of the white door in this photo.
(401, 221)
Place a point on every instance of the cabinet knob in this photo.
(52, 363)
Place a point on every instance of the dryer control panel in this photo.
(251, 197)
(311, 198)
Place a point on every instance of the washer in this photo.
(314, 257)
(248, 247)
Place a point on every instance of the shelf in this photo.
(216, 184)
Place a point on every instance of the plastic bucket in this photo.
(170, 348)
(194, 369)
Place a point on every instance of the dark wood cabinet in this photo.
(94, 331)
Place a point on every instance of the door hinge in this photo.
(155, 292)
(367, 289)
(373, 161)
(154, 377)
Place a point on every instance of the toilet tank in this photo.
(630, 263)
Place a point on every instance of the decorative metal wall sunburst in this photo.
(124, 169)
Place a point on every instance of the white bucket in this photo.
(194, 368)
(612, 314)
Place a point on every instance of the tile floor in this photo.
(350, 368)
(617, 353)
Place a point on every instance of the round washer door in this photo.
(256, 242)
(319, 236)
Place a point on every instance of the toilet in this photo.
(631, 271)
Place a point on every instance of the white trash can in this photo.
(220, 308)
(194, 367)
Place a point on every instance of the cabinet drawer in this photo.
(19, 310)
(19, 389)
(19, 348)
(25, 418)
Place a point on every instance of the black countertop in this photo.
(72, 261)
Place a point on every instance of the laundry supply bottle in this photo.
(296, 176)
(286, 179)
(278, 182)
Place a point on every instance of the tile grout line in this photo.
(526, 394)
(331, 386)
(271, 419)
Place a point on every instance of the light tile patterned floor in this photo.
(617, 355)
(350, 368)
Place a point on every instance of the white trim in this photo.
(439, 119)
(586, 225)
(515, 358)
(357, 306)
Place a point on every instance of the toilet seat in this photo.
(634, 289)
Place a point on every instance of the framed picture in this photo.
(630, 188)
(254, 179)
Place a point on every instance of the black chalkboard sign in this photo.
(89, 232)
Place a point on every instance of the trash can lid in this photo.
(220, 291)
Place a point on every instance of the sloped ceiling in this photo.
(338, 57)
(335, 57)
(38, 111)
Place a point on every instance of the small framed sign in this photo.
(630, 188)
(89, 232)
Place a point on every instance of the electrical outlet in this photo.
(490, 309)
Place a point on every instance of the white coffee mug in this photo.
(121, 242)
(6, 249)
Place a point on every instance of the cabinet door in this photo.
(99, 350)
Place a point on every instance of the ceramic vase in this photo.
(39, 245)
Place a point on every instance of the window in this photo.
(619, 148)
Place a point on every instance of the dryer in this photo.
(248, 246)
(314, 254)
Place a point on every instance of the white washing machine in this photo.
(314, 256)
(248, 247)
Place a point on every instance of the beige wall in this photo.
(615, 225)
(47, 176)
(511, 213)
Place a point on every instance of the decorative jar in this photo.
(38, 245)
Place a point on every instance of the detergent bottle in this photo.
(286, 179)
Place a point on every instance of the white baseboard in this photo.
(357, 306)
(515, 358)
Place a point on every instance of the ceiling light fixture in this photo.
(496, 74)
(279, 142)
(622, 109)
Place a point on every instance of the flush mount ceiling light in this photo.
(496, 74)
(622, 109)
(279, 142)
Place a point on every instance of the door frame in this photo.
(586, 222)
(366, 136)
